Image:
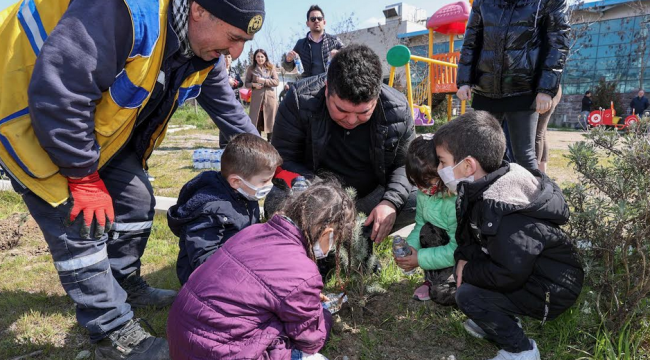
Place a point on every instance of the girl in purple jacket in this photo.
(259, 296)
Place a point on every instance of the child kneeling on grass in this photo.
(512, 257)
(214, 206)
(259, 296)
(433, 239)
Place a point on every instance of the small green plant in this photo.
(626, 346)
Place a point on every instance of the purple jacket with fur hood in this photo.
(255, 298)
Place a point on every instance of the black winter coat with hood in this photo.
(514, 47)
(509, 232)
(302, 131)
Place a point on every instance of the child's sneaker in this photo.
(532, 354)
(422, 292)
(473, 329)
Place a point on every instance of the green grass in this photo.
(38, 316)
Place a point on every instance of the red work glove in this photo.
(89, 195)
(285, 175)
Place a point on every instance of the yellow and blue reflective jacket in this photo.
(29, 144)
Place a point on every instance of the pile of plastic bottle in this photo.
(207, 159)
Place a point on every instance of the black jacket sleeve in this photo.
(290, 135)
(556, 47)
(398, 187)
(472, 45)
(512, 255)
(77, 63)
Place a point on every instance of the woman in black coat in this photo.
(512, 59)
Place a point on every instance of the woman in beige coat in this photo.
(262, 78)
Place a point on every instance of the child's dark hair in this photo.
(247, 155)
(422, 162)
(324, 203)
(477, 134)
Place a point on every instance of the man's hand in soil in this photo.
(410, 262)
(89, 195)
(382, 217)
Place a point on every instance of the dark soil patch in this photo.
(15, 230)
(393, 326)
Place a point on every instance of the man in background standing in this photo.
(316, 49)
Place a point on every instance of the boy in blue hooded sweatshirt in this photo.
(214, 206)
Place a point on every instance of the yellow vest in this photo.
(23, 30)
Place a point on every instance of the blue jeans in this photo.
(89, 269)
(494, 313)
(522, 127)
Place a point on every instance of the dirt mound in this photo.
(15, 229)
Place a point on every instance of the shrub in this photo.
(611, 219)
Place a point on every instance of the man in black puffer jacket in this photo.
(353, 126)
(513, 56)
(512, 257)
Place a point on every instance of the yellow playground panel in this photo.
(449, 20)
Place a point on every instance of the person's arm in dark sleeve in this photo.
(398, 187)
(512, 255)
(556, 47)
(203, 236)
(289, 135)
(218, 100)
(472, 45)
(77, 63)
(289, 65)
(240, 82)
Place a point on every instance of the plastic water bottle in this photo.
(215, 159)
(298, 63)
(204, 162)
(301, 184)
(402, 249)
(335, 302)
(195, 158)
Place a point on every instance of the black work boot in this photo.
(140, 294)
(132, 342)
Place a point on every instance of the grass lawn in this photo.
(38, 317)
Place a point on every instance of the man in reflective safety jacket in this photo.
(88, 89)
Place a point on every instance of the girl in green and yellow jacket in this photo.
(433, 239)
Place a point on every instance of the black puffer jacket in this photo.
(514, 47)
(302, 130)
(509, 232)
(303, 48)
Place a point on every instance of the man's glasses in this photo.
(316, 18)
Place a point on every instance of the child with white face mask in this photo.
(512, 258)
(259, 296)
(433, 240)
(214, 206)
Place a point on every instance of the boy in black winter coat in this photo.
(214, 206)
(512, 257)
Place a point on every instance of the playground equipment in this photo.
(449, 20)
(607, 117)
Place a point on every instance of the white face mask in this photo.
(318, 252)
(448, 177)
(260, 192)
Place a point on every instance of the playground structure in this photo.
(450, 20)
(607, 117)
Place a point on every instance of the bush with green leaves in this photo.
(610, 220)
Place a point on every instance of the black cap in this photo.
(247, 15)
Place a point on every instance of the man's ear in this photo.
(196, 11)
